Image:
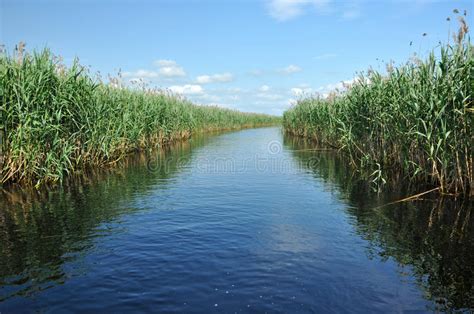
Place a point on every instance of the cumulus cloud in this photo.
(188, 89)
(299, 91)
(215, 78)
(337, 86)
(166, 69)
(341, 86)
(169, 68)
(231, 96)
(265, 93)
(264, 88)
(290, 69)
(284, 10)
(172, 71)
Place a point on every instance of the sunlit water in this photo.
(249, 221)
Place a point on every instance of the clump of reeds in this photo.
(416, 118)
(56, 120)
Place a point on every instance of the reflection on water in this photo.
(235, 222)
(40, 231)
(433, 236)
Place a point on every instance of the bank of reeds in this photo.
(416, 119)
(56, 120)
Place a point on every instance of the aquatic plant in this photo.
(415, 119)
(57, 120)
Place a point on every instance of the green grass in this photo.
(56, 120)
(416, 119)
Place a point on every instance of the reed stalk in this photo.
(415, 119)
(57, 120)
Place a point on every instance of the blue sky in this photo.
(250, 55)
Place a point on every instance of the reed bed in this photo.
(57, 120)
(415, 119)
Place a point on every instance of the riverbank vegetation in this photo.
(432, 236)
(415, 119)
(57, 120)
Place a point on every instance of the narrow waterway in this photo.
(248, 221)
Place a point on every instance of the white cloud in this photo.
(166, 69)
(284, 10)
(215, 78)
(331, 87)
(340, 86)
(264, 88)
(292, 101)
(264, 93)
(298, 92)
(290, 69)
(141, 74)
(301, 91)
(188, 89)
(172, 71)
(169, 68)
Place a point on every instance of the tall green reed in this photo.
(57, 120)
(416, 119)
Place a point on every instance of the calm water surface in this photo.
(249, 221)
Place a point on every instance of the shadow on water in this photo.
(40, 231)
(433, 236)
